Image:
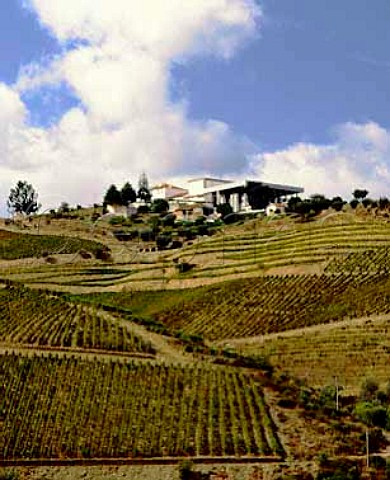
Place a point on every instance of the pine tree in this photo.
(113, 196)
(143, 188)
(128, 194)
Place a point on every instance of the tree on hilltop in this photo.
(113, 196)
(359, 194)
(143, 188)
(128, 194)
(23, 199)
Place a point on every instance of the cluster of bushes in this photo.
(349, 469)
(315, 204)
(373, 407)
(231, 357)
(338, 469)
(164, 230)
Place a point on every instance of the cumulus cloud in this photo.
(117, 61)
(357, 158)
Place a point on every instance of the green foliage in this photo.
(327, 397)
(24, 245)
(359, 194)
(147, 235)
(369, 390)
(367, 202)
(200, 220)
(23, 199)
(63, 324)
(143, 209)
(383, 203)
(64, 207)
(162, 241)
(337, 203)
(79, 394)
(184, 267)
(169, 220)
(128, 194)
(186, 468)
(6, 474)
(143, 188)
(310, 207)
(117, 220)
(224, 209)
(113, 196)
(159, 205)
(236, 308)
(338, 469)
(372, 414)
(232, 218)
(259, 196)
(123, 197)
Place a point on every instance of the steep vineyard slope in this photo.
(29, 317)
(248, 307)
(67, 407)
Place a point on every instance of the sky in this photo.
(94, 92)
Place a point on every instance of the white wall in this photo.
(168, 192)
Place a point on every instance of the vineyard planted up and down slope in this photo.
(262, 305)
(63, 407)
(36, 318)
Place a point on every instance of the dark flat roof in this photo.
(237, 186)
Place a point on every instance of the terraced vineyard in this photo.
(349, 351)
(292, 244)
(249, 252)
(66, 407)
(22, 245)
(35, 318)
(369, 260)
(62, 404)
(268, 304)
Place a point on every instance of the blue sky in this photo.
(293, 88)
(317, 64)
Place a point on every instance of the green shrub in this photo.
(118, 220)
(185, 470)
(143, 209)
(146, 235)
(162, 241)
(9, 474)
(372, 414)
(232, 218)
(224, 209)
(103, 253)
(169, 220)
(200, 220)
(159, 205)
(339, 469)
(369, 389)
(184, 267)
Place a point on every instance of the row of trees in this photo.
(23, 199)
(127, 194)
(315, 204)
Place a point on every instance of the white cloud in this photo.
(117, 60)
(358, 158)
